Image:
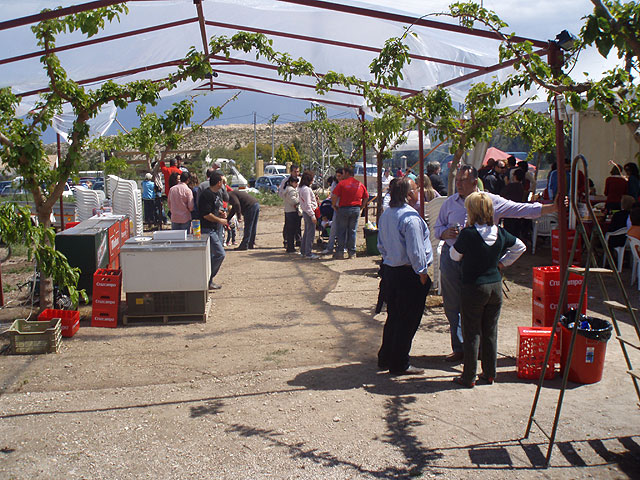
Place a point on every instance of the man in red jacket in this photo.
(174, 167)
(348, 199)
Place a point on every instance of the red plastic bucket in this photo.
(587, 364)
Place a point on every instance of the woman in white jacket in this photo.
(291, 216)
(308, 203)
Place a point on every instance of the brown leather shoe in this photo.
(455, 357)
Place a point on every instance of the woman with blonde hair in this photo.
(484, 249)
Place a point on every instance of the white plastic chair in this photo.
(542, 228)
(634, 245)
(432, 210)
(619, 250)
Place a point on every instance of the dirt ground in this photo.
(281, 382)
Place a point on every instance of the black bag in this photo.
(598, 329)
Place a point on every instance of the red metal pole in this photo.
(556, 61)
(61, 202)
(562, 193)
(364, 162)
(421, 179)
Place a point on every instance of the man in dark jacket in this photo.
(494, 180)
(245, 206)
(433, 171)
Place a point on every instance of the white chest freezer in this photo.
(165, 265)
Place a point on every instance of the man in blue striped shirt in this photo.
(403, 241)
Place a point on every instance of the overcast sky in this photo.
(539, 19)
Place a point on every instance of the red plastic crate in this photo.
(532, 348)
(544, 308)
(104, 317)
(70, 320)
(107, 284)
(555, 246)
(546, 282)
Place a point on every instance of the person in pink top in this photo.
(308, 204)
(181, 204)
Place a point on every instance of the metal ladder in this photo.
(613, 306)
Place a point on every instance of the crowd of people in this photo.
(215, 205)
(475, 247)
(339, 213)
(475, 251)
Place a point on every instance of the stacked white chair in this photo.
(86, 201)
(126, 199)
(542, 227)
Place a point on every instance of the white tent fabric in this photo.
(324, 37)
(63, 122)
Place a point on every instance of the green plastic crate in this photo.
(35, 337)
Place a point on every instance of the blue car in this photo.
(269, 183)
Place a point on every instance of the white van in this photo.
(275, 170)
(372, 176)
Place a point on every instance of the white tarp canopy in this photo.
(343, 36)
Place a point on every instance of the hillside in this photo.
(240, 135)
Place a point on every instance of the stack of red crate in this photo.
(532, 348)
(555, 246)
(106, 298)
(546, 293)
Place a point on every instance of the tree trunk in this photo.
(46, 285)
(452, 170)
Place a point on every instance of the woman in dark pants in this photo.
(484, 249)
(291, 216)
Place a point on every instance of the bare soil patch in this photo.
(281, 382)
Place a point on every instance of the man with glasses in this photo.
(494, 180)
(451, 220)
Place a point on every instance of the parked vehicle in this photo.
(372, 176)
(4, 184)
(98, 184)
(68, 191)
(12, 191)
(275, 169)
(269, 183)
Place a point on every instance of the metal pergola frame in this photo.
(212, 85)
(218, 62)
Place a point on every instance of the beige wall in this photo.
(600, 142)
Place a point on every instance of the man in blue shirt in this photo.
(149, 196)
(403, 241)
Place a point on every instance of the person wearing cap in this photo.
(149, 196)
